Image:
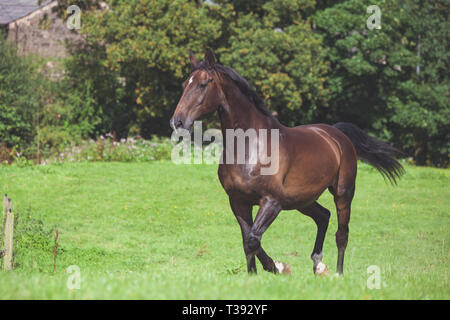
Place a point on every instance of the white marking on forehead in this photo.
(190, 80)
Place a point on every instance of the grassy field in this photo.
(164, 231)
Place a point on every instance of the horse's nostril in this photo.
(175, 123)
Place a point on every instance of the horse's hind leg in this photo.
(343, 198)
(321, 217)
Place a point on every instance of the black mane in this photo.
(243, 85)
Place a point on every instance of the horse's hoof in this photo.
(321, 269)
(282, 268)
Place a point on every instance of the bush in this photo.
(106, 148)
(19, 97)
(34, 243)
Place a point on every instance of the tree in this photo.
(145, 44)
(375, 80)
(421, 104)
(19, 97)
(144, 47)
(311, 62)
(273, 46)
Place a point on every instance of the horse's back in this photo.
(345, 146)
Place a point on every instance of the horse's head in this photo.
(201, 93)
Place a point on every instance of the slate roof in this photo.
(12, 10)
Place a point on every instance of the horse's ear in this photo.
(193, 59)
(209, 58)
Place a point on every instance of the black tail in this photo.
(375, 152)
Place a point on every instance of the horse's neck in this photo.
(238, 112)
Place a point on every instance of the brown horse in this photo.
(311, 158)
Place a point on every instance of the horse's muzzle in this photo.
(176, 123)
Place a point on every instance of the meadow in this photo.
(156, 230)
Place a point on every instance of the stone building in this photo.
(34, 28)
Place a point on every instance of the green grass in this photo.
(164, 231)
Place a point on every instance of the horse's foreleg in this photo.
(243, 213)
(268, 211)
(321, 217)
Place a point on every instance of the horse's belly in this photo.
(301, 193)
(291, 192)
(254, 191)
(300, 198)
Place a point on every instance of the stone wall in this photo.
(41, 33)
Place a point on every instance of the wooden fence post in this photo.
(8, 233)
(2, 231)
(5, 209)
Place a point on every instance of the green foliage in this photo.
(312, 61)
(99, 102)
(421, 116)
(392, 81)
(19, 96)
(33, 243)
(275, 48)
(147, 48)
(144, 61)
(109, 149)
(421, 104)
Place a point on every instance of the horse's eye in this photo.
(203, 85)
